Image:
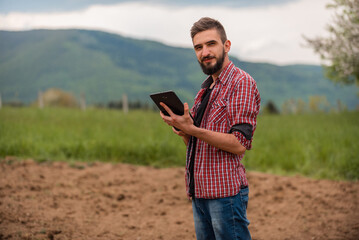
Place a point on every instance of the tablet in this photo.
(171, 100)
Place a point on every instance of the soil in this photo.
(57, 200)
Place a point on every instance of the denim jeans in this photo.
(223, 218)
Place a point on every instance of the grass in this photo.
(93, 135)
(314, 145)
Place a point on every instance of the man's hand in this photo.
(184, 122)
(185, 137)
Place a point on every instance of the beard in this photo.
(208, 69)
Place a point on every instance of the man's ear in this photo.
(227, 46)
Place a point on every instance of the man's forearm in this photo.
(224, 141)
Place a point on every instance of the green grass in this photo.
(93, 135)
(317, 145)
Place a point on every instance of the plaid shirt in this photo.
(234, 100)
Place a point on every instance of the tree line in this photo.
(60, 98)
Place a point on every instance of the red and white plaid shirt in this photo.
(234, 100)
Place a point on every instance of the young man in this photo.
(225, 112)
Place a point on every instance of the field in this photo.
(313, 145)
(101, 174)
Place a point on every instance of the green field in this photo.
(314, 145)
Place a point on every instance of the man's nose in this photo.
(205, 51)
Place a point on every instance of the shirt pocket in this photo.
(218, 111)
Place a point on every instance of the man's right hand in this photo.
(184, 122)
(184, 136)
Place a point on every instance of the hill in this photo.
(104, 66)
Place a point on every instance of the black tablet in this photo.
(171, 100)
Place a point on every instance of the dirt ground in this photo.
(56, 200)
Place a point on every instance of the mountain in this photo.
(104, 66)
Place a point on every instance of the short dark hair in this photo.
(207, 23)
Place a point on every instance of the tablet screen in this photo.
(170, 99)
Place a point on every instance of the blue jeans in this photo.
(223, 218)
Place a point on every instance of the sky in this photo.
(260, 30)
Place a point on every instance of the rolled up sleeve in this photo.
(243, 109)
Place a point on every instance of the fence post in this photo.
(125, 103)
(40, 100)
(83, 102)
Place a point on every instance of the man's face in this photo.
(210, 51)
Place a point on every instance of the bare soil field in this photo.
(57, 200)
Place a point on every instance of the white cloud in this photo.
(272, 34)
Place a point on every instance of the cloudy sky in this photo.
(260, 30)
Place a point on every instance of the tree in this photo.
(341, 48)
(270, 108)
(55, 97)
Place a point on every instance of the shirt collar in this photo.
(222, 78)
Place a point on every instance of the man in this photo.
(224, 120)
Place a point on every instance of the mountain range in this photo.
(103, 66)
